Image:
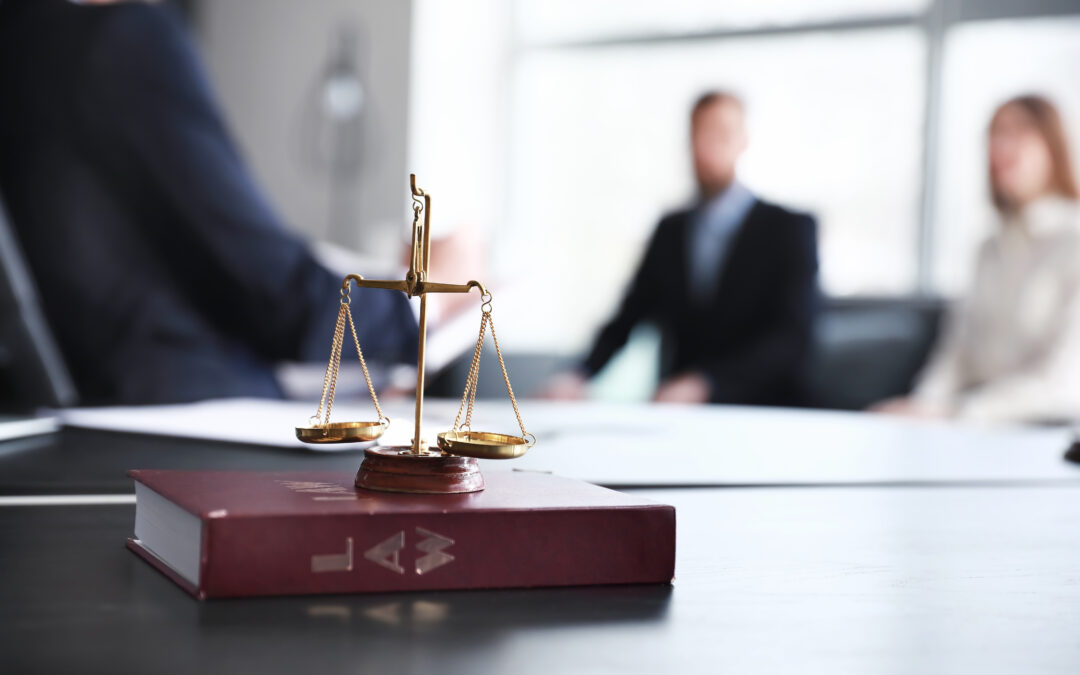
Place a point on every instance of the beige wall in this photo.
(265, 58)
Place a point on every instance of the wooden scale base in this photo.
(400, 469)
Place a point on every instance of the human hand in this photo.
(685, 388)
(455, 258)
(904, 406)
(568, 386)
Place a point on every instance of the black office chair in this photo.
(871, 349)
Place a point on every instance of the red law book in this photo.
(239, 533)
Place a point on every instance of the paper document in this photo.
(21, 427)
(252, 421)
(655, 445)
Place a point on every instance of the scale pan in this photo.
(341, 432)
(483, 444)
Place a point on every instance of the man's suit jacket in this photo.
(164, 272)
(752, 340)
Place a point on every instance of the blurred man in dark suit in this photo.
(163, 270)
(732, 282)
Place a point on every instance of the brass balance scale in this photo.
(451, 467)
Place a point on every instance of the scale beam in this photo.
(416, 288)
(361, 282)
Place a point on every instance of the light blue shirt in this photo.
(711, 233)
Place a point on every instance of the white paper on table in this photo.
(656, 445)
(21, 427)
(238, 420)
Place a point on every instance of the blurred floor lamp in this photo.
(333, 133)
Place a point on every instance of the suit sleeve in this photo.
(638, 303)
(780, 352)
(148, 103)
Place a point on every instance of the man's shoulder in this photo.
(781, 216)
(676, 218)
(672, 224)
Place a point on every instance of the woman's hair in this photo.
(1047, 122)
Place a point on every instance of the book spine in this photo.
(384, 552)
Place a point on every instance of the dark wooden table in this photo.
(935, 577)
(800, 448)
(851, 580)
(76, 461)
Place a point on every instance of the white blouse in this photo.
(1011, 351)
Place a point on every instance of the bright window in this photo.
(987, 63)
(600, 152)
(557, 130)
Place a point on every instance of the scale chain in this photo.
(468, 398)
(475, 375)
(333, 366)
(506, 376)
(363, 365)
(469, 395)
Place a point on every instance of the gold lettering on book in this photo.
(433, 545)
(334, 562)
(387, 553)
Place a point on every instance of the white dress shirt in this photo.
(1011, 352)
